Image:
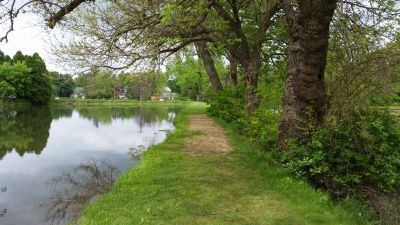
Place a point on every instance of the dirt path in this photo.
(212, 138)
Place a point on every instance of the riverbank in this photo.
(174, 186)
(109, 102)
(77, 103)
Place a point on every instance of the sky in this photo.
(29, 37)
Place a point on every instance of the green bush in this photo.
(262, 127)
(360, 150)
(228, 105)
(39, 90)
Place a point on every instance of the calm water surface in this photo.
(53, 161)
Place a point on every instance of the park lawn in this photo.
(171, 186)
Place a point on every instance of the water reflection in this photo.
(60, 113)
(74, 189)
(37, 146)
(25, 131)
(144, 115)
(3, 211)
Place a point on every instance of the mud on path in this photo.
(211, 139)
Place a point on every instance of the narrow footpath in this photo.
(206, 173)
(211, 138)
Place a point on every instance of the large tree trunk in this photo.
(305, 98)
(251, 71)
(208, 62)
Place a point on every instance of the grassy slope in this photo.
(173, 187)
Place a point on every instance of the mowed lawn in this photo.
(172, 186)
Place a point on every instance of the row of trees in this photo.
(24, 77)
(103, 84)
(188, 76)
(63, 84)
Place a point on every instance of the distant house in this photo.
(122, 96)
(122, 93)
(166, 93)
(78, 93)
(156, 98)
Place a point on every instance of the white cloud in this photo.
(28, 37)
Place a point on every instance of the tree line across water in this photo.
(26, 77)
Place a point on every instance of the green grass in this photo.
(119, 102)
(172, 187)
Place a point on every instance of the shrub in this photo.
(262, 127)
(228, 105)
(363, 149)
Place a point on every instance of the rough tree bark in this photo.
(208, 62)
(233, 67)
(305, 96)
(251, 71)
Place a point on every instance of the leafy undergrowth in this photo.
(173, 187)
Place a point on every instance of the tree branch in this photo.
(290, 13)
(53, 20)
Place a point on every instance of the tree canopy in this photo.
(25, 77)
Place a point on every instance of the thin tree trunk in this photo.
(305, 96)
(233, 67)
(208, 62)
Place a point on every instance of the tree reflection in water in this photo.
(137, 151)
(3, 211)
(25, 130)
(73, 190)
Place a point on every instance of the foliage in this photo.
(82, 79)
(172, 84)
(4, 58)
(343, 156)
(147, 84)
(361, 70)
(25, 77)
(100, 85)
(24, 130)
(103, 84)
(63, 84)
(188, 73)
(262, 127)
(39, 90)
(5, 89)
(228, 105)
(13, 79)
